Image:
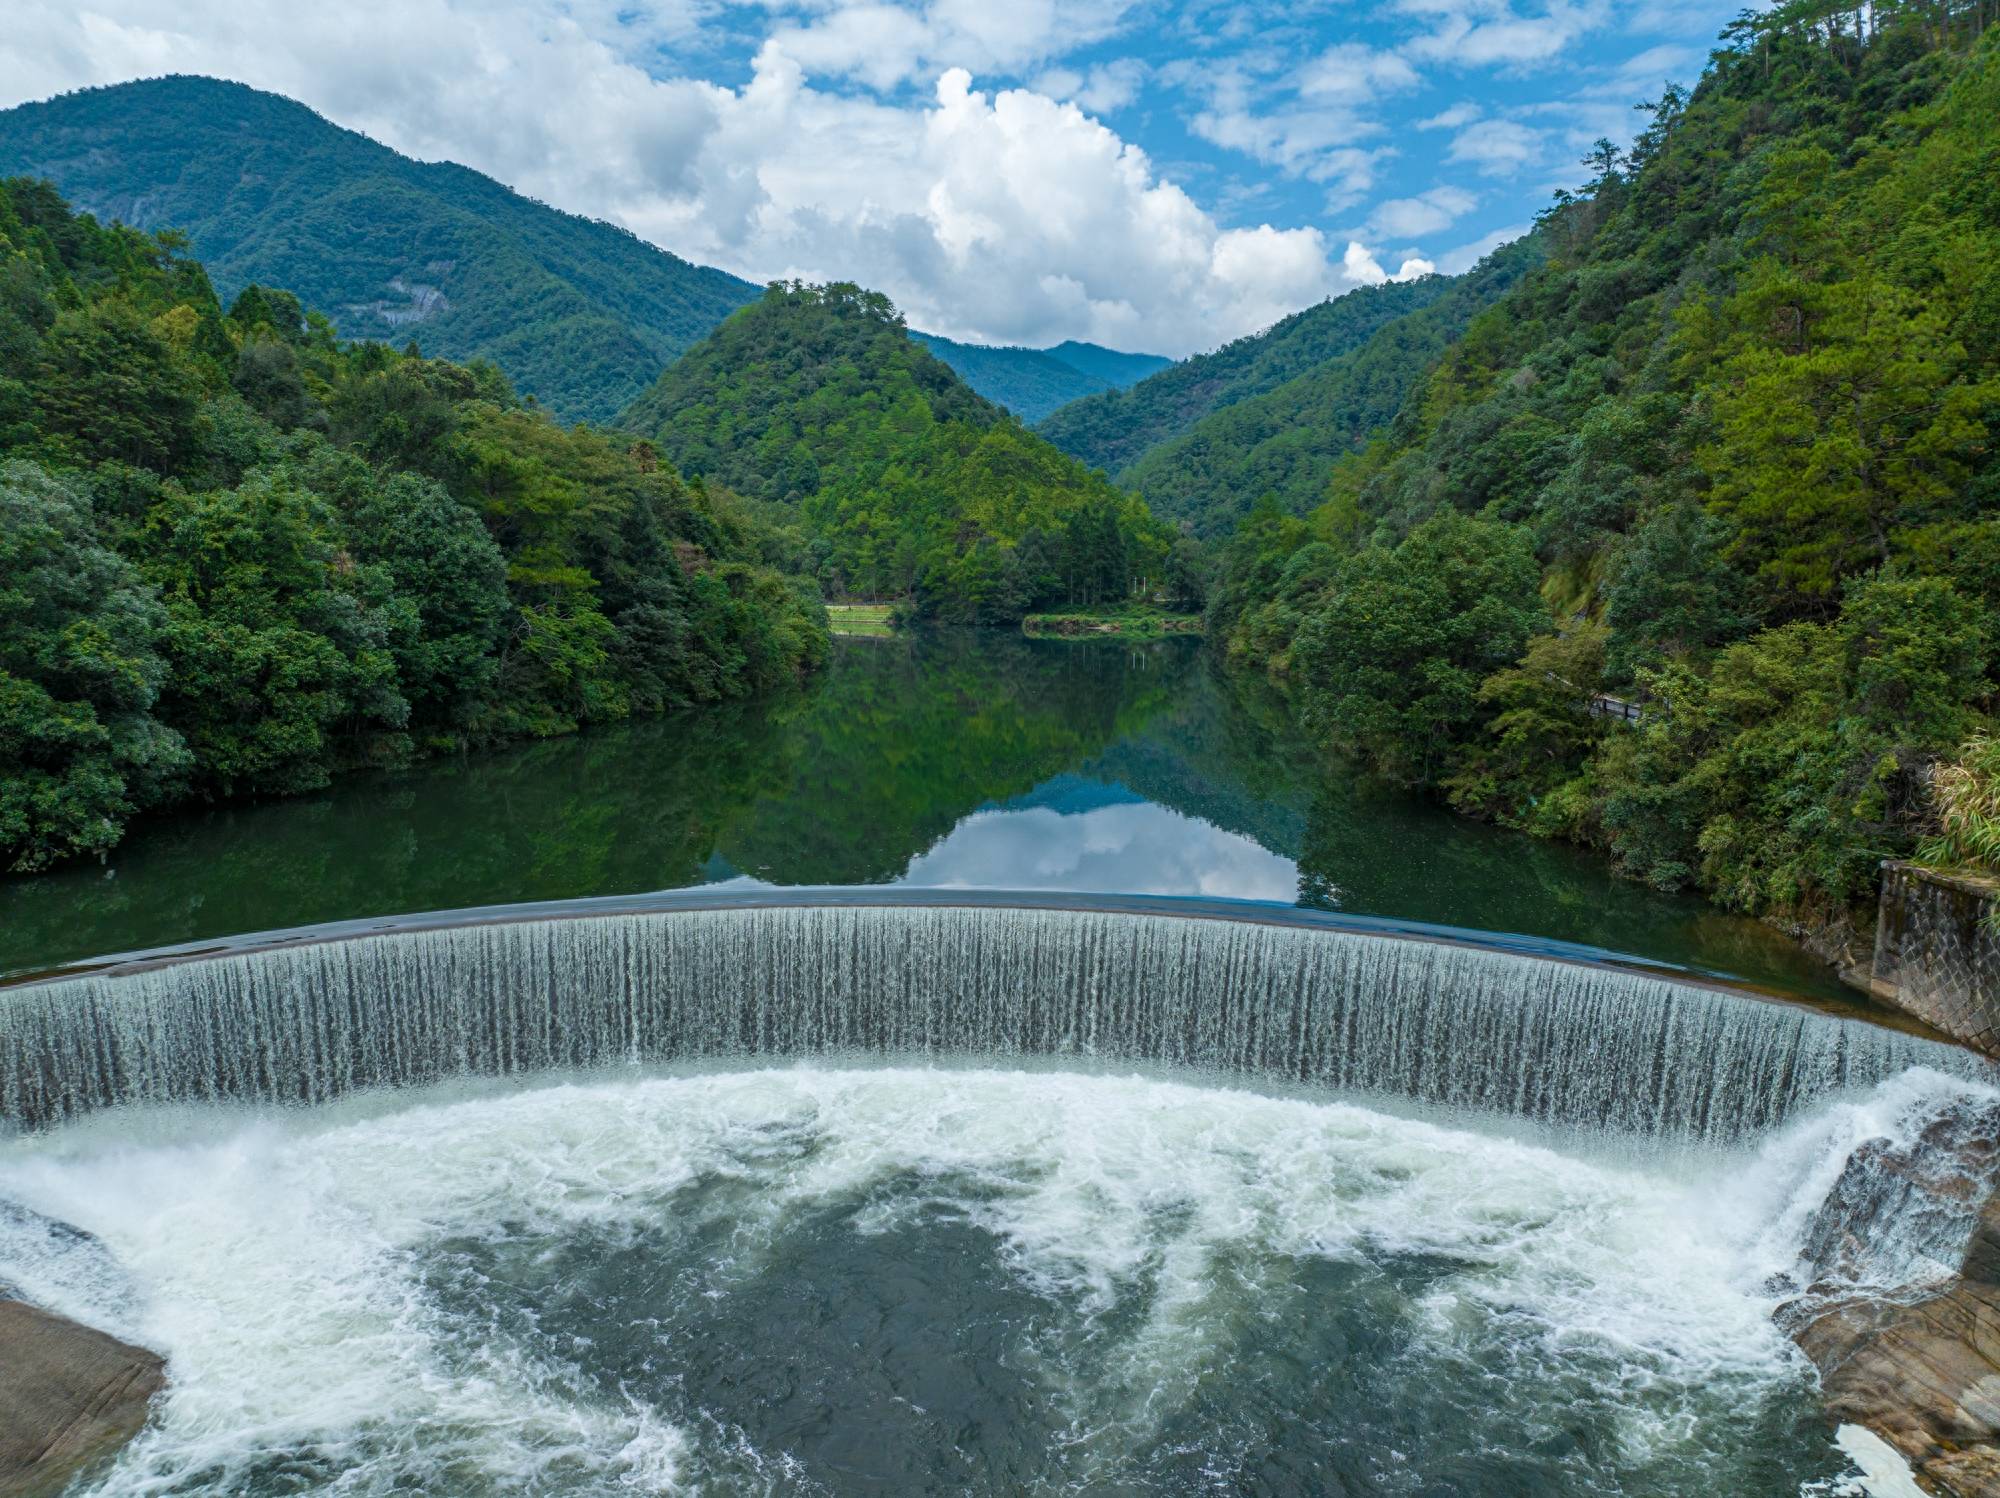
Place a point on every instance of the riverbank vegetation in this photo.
(1725, 451)
(1143, 620)
(1965, 793)
(906, 482)
(872, 619)
(237, 556)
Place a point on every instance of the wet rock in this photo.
(70, 1396)
(1917, 1362)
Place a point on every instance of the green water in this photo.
(982, 760)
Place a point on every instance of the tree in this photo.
(80, 670)
(1782, 777)
(1540, 733)
(1841, 417)
(110, 387)
(1672, 595)
(1393, 661)
(275, 660)
(443, 588)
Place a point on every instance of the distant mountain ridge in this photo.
(578, 313)
(1286, 440)
(1205, 439)
(1111, 430)
(1033, 382)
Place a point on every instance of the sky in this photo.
(1148, 175)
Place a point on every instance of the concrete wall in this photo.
(1936, 952)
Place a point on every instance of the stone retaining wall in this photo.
(1937, 955)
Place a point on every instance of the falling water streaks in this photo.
(1558, 1042)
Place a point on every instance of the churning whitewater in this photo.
(817, 1280)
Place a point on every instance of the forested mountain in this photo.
(908, 482)
(577, 313)
(1033, 382)
(239, 556)
(1728, 454)
(1117, 370)
(1285, 441)
(1112, 430)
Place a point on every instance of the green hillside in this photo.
(1726, 454)
(1285, 441)
(240, 556)
(907, 481)
(578, 314)
(1111, 430)
(1034, 382)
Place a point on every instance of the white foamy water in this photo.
(285, 1265)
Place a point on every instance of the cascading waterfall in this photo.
(1563, 1043)
(724, 1278)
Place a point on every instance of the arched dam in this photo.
(1537, 1030)
(855, 1190)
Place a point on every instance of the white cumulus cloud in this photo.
(1364, 269)
(1010, 216)
(1426, 213)
(1499, 148)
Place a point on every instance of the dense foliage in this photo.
(906, 483)
(1727, 455)
(577, 313)
(236, 556)
(1285, 441)
(1112, 431)
(1033, 382)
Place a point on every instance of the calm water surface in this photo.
(973, 760)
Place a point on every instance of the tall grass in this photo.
(1966, 798)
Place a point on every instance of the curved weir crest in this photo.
(307, 1017)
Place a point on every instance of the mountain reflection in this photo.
(953, 760)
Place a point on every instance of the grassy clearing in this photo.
(860, 618)
(1144, 621)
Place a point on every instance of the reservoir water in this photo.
(977, 760)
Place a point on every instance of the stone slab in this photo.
(70, 1396)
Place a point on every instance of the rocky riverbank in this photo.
(1919, 1367)
(70, 1396)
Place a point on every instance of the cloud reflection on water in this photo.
(1130, 847)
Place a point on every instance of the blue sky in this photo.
(1148, 175)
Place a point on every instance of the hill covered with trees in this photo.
(237, 556)
(1033, 382)
(1271, 414)
(1284, 442)
(906, 481)
(577, 313)
(1725, 453)
(1113, 430)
